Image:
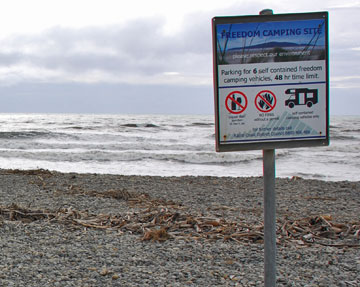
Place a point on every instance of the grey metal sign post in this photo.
(269, 218)
(269, 209)
(271, 87)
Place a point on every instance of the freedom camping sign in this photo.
(271, 81)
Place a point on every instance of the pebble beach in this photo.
(70, 229)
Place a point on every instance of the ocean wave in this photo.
(342, 137)
(199, 124)
(23, 135)
(143, 144)
(35, 135)
(351, 130)
(112, 146)
(132, 125)
(78, 155)
(90, 128)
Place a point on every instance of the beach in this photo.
(72, 229)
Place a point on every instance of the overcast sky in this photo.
(111, 56)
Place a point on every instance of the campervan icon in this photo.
(302, 96)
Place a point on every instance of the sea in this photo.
(163, 145)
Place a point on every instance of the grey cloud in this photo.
(343, 27)
(9, 58)
(139, 47)
(105, 98)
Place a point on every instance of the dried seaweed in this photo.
(159, 223)
(161, 220)
(322, 230)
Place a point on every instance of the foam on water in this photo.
(166, 145)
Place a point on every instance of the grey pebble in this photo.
(44, 253)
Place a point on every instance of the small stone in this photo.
(104, 271)
(115, 277)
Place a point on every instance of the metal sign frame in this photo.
(226, 95)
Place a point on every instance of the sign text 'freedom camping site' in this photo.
(271, 81)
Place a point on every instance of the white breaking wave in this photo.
(165, 145)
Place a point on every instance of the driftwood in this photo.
(322, 230)
(160, 223)
(160, 220)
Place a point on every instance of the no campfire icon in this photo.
(265, 101)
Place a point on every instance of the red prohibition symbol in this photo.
(236, 102)
(265, 101)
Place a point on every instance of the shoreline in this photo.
(191, 230)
